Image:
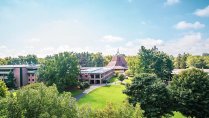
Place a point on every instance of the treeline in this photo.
(85, 59)
(183, 61)
(29, 59)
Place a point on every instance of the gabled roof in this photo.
(118, 62)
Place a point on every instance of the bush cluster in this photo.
(84, 85)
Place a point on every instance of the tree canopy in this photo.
(198, 61)
(29, 59)
(151, 93)
(190, 91)
(38, 101)
(133, 64)
(61, 69)
(90, 59)
(180, 61)
(154, 61)
(10, 80)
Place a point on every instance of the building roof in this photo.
(18, 66)
(118, 62)
(177, 71)
(94, 70)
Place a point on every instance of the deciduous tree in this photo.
(151, 93)
(154, 61)
(38, 101)
(190, 90)
(61, 69)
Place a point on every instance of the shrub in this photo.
(3, 89)
(128, 73)
(121, 77)
(84, 85)
(116, 74)
(111, 111)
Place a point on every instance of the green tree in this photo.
(133, 62)
(107, 59)
(180, 61)
(10, 80)
(61, 69)
(151, 93)
(90, 59)
(3, 61)
(3, 89)
(197, 62)
(190, 92)
(121, 77)
(154, 61)
(29, 59)
(98, 60)
(38, 101)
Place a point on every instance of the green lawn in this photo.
(178, 115)
(113, 79)
(101, 96)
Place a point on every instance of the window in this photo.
(97, 76)
(92, 76)
(32, 79)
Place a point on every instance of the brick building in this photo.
(23, 74)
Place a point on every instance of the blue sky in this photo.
(46, 27)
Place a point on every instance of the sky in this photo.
(46, 27)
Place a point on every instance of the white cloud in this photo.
(3, 47)
(202, 12)
(112, 39)
(171, 2)
(186, 25)
(192, 43)
(150, 42)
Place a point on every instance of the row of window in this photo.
(31, 80)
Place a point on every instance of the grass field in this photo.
(101, 96)
(178, 115)
(113, 79)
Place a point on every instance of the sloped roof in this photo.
(118, 62)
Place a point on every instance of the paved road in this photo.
(91, 88)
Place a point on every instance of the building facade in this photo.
(23, 74)
(96, 75)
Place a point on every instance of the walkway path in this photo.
(91, 88)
